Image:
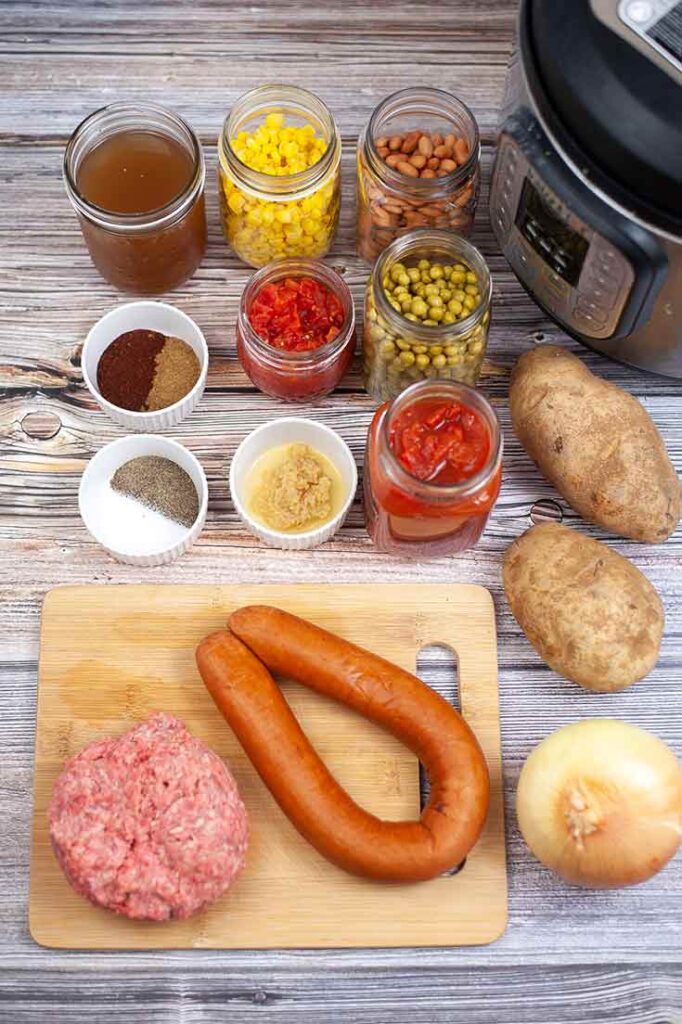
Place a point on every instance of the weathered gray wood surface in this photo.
(567, 955)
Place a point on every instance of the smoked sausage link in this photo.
(232, 665)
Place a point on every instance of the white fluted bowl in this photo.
(95, 492)
(293, 430)
(146, 316)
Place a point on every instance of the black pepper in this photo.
(161, 485)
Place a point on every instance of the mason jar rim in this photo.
(297, 267)
(400, 248)
(440, 102)
(120, 115)
(292, 99)
(455, 391)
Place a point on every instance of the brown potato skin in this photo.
(596, 444)
(590, 614)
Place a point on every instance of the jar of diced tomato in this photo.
(296, 329)
(433, 470)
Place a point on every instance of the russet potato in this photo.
(596, 444)
(591, 615)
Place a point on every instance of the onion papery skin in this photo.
(600, 803)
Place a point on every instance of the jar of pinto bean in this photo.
(417, 166)
(427, 313)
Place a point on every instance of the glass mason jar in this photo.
(413, 518)
(398, 351)
(391, 201)
(268, 216)
(154, 250)
(296, 376)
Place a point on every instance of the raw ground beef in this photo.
(149, 824)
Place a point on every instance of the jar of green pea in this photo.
(427, 313)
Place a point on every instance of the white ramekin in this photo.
(148, 316)
(102, 467)
(292, 430)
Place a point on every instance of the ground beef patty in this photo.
(149, 824)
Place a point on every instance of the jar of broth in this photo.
(135, 176)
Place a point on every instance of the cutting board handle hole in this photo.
(437, 666)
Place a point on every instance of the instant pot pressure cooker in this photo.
(586, 197)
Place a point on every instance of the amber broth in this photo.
(135, 172)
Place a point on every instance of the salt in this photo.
(125, 525)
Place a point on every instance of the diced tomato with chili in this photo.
(296, 314)
(440, 442)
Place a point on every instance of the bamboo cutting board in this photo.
(110, 655)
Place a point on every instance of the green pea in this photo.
(469, 302)
(448, 318)
(406, 304)
(407, 358)
(447, 271)
(430, 323)
(458, 277)
(431, 289)
(445, 294)
(402, 344)
(376, 333)
(455, 307)
(459, 295)
(414, 275)
(436, 313)
(404, 278)
(396, 271)
(412, 318)
(423, 264)
(471, 289)
(419, 308)
(439, 362)
(436, 271)
(436, 301)
(420, 349)
(436, 350)
(388, 348)
(461, 268)
(471, 278)
(422, 361)
(419, 290)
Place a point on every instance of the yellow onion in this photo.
(600, 803)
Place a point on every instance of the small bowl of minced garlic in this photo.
(292, 482)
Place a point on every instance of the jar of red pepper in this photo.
(296, 329)
(433, 470)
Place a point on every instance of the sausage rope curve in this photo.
(236, 666)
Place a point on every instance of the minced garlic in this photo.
(294, 491)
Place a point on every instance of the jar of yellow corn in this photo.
(279, 175)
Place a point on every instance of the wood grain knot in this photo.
(41, 426)
(546, 511)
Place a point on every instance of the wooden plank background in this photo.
(568, 955)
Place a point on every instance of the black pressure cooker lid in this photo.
(621, 109)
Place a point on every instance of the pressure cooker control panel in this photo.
(579, 276)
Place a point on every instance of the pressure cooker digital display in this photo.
(561, 248)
